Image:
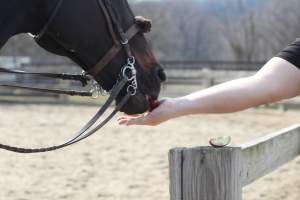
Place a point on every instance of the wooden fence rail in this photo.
(207, 173)
(213, 65)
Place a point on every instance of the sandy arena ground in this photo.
(123, 163)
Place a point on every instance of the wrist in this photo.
(180, 107)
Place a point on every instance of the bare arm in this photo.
(277, 80)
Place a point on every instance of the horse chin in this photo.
(137, 104)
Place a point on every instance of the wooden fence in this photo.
(212, 65)
(207, 73)
(27, 80)
(189, 73)
(208, 173)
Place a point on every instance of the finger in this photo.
(136, 115)
(122, 118)
(123, 122)
(129, 117)
(138, 121)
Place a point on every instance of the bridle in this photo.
(127, 76)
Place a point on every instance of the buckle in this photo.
(124, 42)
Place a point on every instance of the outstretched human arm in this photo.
(277, 80)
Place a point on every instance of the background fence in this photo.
(193, 72)
(8, 94)
(185, 76)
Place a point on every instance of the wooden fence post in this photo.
(205, 173)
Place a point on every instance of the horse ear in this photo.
(143, 23)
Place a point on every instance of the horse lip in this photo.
(153, 103)
(151, 98)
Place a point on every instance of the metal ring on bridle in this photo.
(125, 42)
(128, 70)
(131, 60)
(134, 83)
(131, 90)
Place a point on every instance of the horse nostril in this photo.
(162, 75)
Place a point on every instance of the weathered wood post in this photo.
(205, 173)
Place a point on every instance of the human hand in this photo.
(165, 111)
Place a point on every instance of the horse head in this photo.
(79, 30)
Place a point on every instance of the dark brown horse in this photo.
(79, 31)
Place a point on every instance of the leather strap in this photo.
(116, 110)
(111, 21)
(108, 22)
(84, 79)
(122, 35)
(132, 31)
(50, 20)
(82, 134)
(53, 91)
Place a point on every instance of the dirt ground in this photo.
(121, 163)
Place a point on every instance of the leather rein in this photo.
(126, 78)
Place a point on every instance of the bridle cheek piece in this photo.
(127, 77)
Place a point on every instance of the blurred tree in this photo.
(280, 24)
(181, 29)
(238, 24)
(241, 30)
